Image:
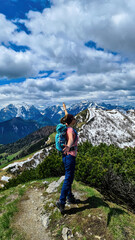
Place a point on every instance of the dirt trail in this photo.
(28, 219)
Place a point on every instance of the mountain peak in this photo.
(106, 126)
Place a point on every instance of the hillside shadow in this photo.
(95, 202)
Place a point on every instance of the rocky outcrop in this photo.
(54, 185)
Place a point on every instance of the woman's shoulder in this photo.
(70, 129)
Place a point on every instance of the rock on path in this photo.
(30, 219)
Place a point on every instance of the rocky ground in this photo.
(93, 218)
(31, 219)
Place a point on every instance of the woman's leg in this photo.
(69, 163)
(69, 194)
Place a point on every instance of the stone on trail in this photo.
(67, 233)
(54, 185)
(45, 220)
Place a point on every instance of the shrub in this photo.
(25, 176)
(52, 166)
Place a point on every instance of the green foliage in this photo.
(25, 176)
(93, 162)
(104, 167)
(52, 166)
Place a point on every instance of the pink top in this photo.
(74, 152)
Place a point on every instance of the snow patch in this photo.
(20, 164)
(5, 178)
(110, 127)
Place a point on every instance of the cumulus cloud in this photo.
(16, 64)
(56, 41)
(7, 28)
(109, 23)
(109, 86)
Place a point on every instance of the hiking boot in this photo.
(60, 206)
(72, 200)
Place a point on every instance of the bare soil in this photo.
(28, 219)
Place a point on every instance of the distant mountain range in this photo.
(16, 128)
(51, 115)
(25, 112)
(30, 143)
(17, 122)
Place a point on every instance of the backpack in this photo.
(60, 138)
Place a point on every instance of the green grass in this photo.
(105, 218)
(120, 222)
(51, 138)
(7, 159)
(93, 215)
(8, 208)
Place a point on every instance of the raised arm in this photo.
(65, 110)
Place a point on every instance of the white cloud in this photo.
(111, 86)
(57, 42)
(7, 28)
(16, 64)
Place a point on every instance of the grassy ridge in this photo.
(92, 217)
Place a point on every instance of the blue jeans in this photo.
(69, 164)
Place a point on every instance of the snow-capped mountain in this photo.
(25, 112)
(8, 113)
(107, 126)
(56, 112)
(52, 114)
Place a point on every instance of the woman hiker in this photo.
(68, 157)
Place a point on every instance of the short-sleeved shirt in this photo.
(74, 152)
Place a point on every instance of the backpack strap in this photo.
(76, 134)
(74, 147)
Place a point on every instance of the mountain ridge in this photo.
(53, 113)
(110, 127)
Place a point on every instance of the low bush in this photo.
(52, 166)
(25, 176)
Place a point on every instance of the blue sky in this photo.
(18, 8)
(59, 50)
